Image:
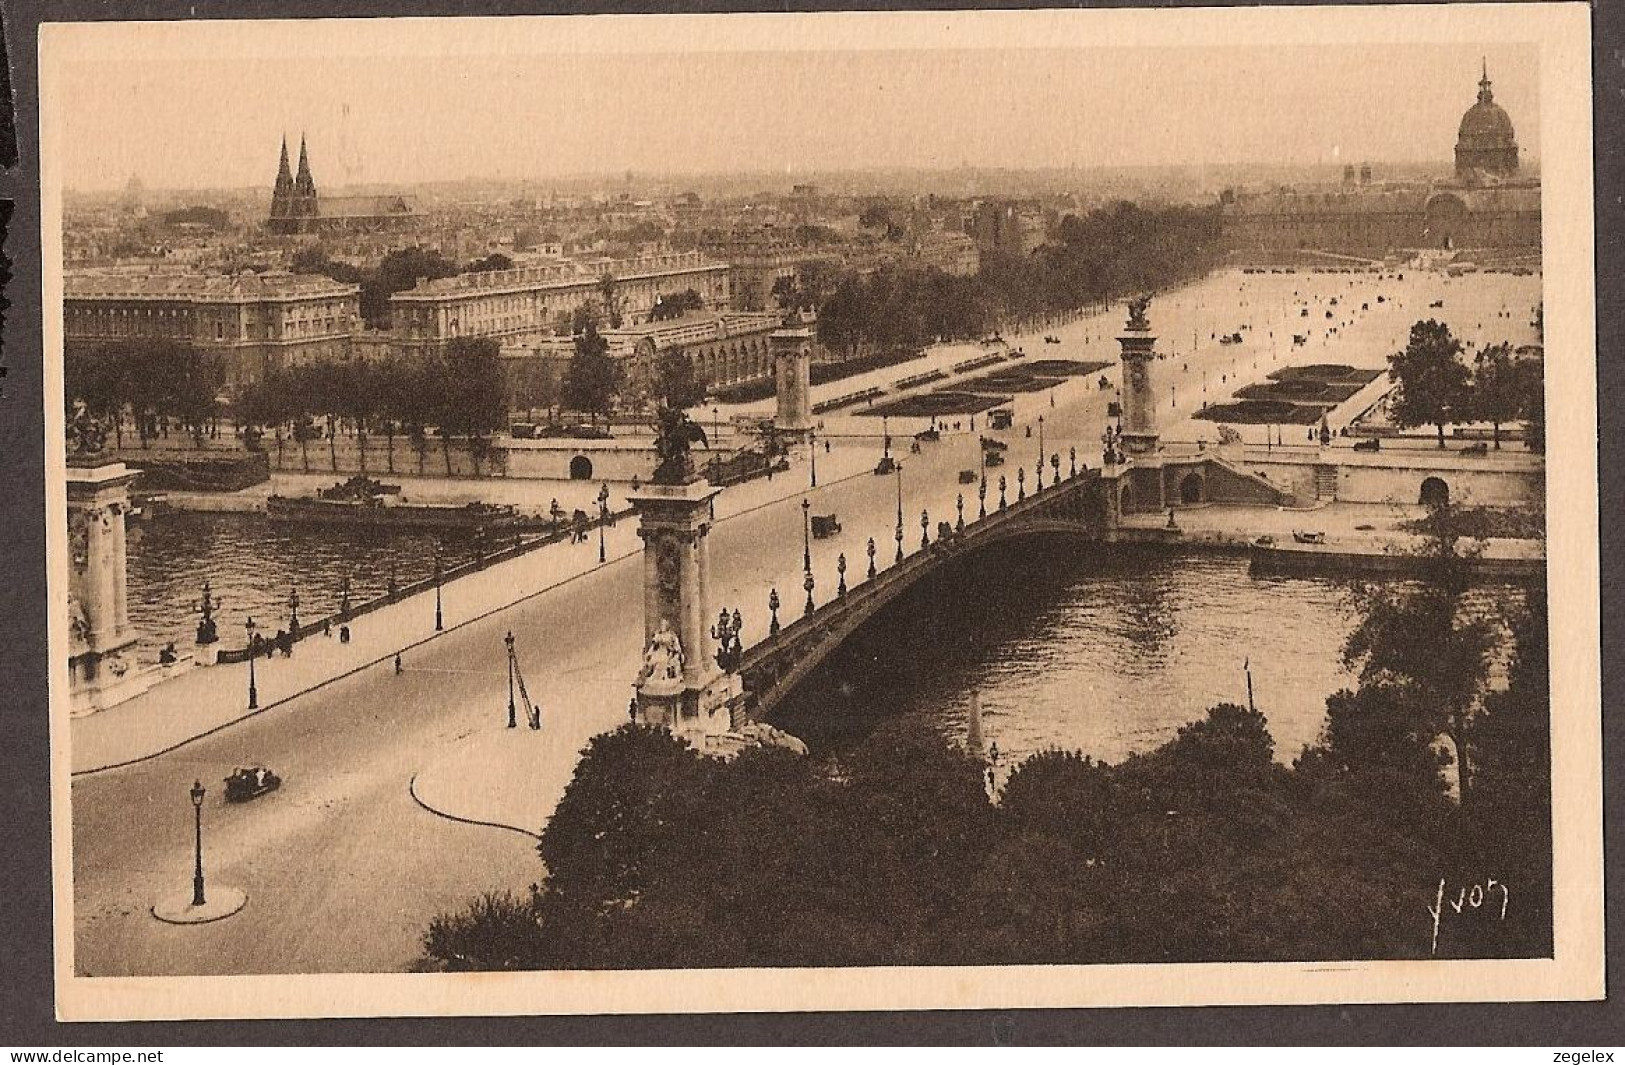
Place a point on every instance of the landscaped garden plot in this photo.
(935, 404)
(1262, 412)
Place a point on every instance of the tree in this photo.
(1431, 381)
(610, 299)
(492, 262)
(675, 382)
(1496, 388)
(475, 403)
(593, 377)
(1418, 643)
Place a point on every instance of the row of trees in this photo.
(147, 382)
(1435, 385)
(1089, 259)
(459, 391)
(1206, 849)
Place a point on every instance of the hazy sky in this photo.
(209, 108)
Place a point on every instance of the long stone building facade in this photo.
(526, 304)
(1483, 205)
(254, 323)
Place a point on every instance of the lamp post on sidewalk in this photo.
(603, 520)
(1039, 487)
(197, 794)
(812, 439)
(513, 717)
(253, 692)
(439, 574)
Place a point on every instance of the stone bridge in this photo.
(771, 669)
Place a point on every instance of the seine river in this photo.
(1103, 650)
(253, 564)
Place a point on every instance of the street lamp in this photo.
(1055, 468)
(253, 692)
(1040, 485)
(439, 573)
(293, 613)
(925, 530)
(513, 719)
(1021, 483)
(812, 441)
(197, 794)
(885, 436)
(899, 512)
(959, 511)
(871, 550)
(1001, 491)
(603, 519)
(773, 609)
(981, 495)
(806, 534)
(716, 424)
(840, 569)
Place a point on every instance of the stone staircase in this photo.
(1325, 482)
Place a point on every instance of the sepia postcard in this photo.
(716, 513)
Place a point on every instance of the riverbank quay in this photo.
(1350, 540)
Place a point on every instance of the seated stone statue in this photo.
(663, 660)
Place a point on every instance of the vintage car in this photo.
(824, 526)
(1001, 418)
(1372, 444)
(968, 477)
(931, 435)
(886, 465)
(251, 783)
(1308, 537)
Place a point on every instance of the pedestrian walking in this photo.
(344, 634)
(632, 710)
(398, 668)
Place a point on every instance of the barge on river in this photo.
(364, 502)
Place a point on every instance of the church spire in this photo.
(1484, 94)
(284, 176)
(304, 184)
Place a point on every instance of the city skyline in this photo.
(383, 119)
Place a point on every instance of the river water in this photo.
(253, 563)
(1102, 650)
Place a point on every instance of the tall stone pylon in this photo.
(679, 684)
(1140, 436)
(102, 669)
(791, 345)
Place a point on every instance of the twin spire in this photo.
(285, 181)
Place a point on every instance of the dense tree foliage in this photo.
(1091, 258)
(1432, 383)
(150, 382)
(594, 377)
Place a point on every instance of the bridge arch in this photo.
(1192, 489)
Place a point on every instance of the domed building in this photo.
(1486, 143)
(1485, 204)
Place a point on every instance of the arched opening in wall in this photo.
(1125, 498)
(1435, 493)
(1446, 218)
(1190, 489)
(581, 468)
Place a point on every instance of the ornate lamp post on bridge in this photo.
(1072, 453)
(773, 611)
(840, 570)
(981, 495)
(1021, 483)
(885, 436)
(253, 692)
(293, 614)
(871, 550)
(959, 510)
(1039, 487)
(806, 553)
(812, 451)
(1001, 491)
(899, 512)
(925, 530)
(1055, 469)
(197, 794)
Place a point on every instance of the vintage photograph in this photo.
(774, 512)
